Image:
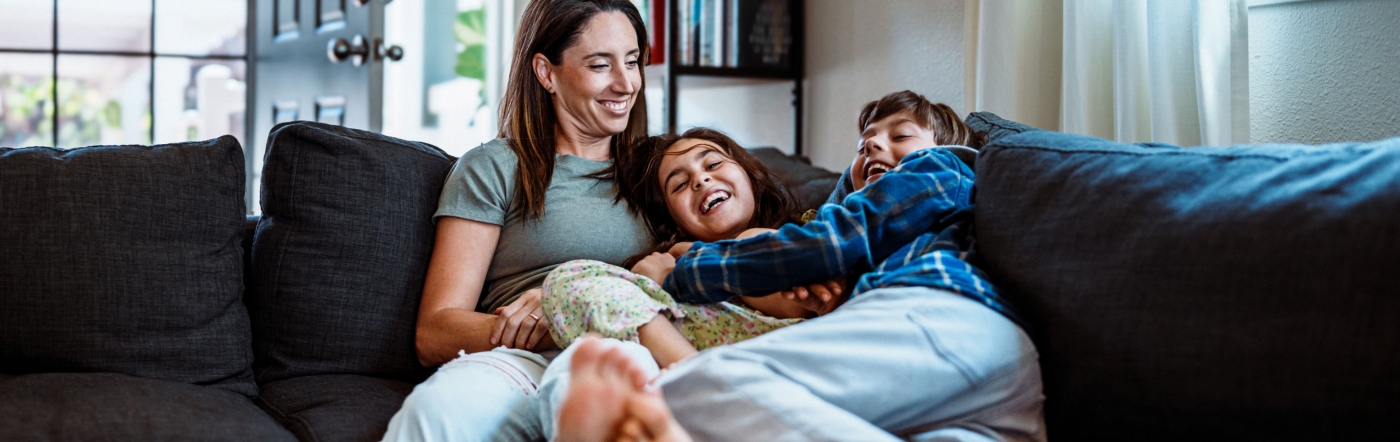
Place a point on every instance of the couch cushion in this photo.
(125, 259)
(341, 250)
(994, 127)
(335, 407)
(808, 184)
(1241, 293)
(110, 406)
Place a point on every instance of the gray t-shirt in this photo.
(580, 220)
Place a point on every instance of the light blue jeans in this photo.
(912, 363)
(896, 363)
(486, 396)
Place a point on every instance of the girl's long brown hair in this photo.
(773, 205)
(528, 121)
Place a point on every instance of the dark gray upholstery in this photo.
(809, 184)
(335, 407)
(125, 259)
(340, 253)
(109, 406)
(1219, 293)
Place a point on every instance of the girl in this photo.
(700, 186)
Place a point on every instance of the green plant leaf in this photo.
(471, 63)
(470, 27)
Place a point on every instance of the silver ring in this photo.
(536, 318)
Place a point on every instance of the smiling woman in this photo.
(516, 208)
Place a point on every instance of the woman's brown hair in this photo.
(947, 127)
(528, 121)
(773, 205)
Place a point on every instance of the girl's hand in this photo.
(521, 323)
(656, 266)
(679, 249)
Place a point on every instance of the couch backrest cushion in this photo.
(1241, 293)
(808, 184)
(125, 259)
(341, 251)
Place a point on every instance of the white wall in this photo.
(1324, 71)
(754, 112)
(860, 50)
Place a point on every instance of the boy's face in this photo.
(708, 194)
(885, 142)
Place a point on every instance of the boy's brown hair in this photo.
(947, 127)
(773, 205)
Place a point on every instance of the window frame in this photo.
(151, 54)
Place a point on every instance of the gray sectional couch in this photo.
(1241, 293)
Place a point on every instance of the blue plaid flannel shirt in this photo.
(909, 228)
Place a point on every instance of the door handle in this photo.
(356, 50)
(382, 51)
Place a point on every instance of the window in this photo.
(85, 72)
(446, 89)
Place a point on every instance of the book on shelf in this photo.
(765, 33)
(735, 33)
(658, 31)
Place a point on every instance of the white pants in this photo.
(907, 362)
(486, 396)
(891, 364)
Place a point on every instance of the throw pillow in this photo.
(341, 251)
(125, 259)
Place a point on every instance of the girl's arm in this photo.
(447, 316)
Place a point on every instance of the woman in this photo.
(514, 208)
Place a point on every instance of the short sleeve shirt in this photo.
(581, 219)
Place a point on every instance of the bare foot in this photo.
(649, 419)
(608, 400)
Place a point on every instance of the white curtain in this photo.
(1172, 71)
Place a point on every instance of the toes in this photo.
(588, 354)
(650, 410)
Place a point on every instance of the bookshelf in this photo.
(745, 39)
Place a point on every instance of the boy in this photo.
(926, 348)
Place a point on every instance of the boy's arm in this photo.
(926, 189)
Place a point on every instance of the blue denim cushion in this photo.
(1244, 292)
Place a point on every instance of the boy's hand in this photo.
(656, 266)
(820, 298)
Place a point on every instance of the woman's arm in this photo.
(447, 316)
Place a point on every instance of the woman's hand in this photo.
(655, 266)
(521, 323)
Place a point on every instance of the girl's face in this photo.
(708, 194)
(596, 81)
(885, 142)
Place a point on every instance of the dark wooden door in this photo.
(317, 60)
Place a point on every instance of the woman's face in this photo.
(708, 194)
(885, 142)
(597, 79)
